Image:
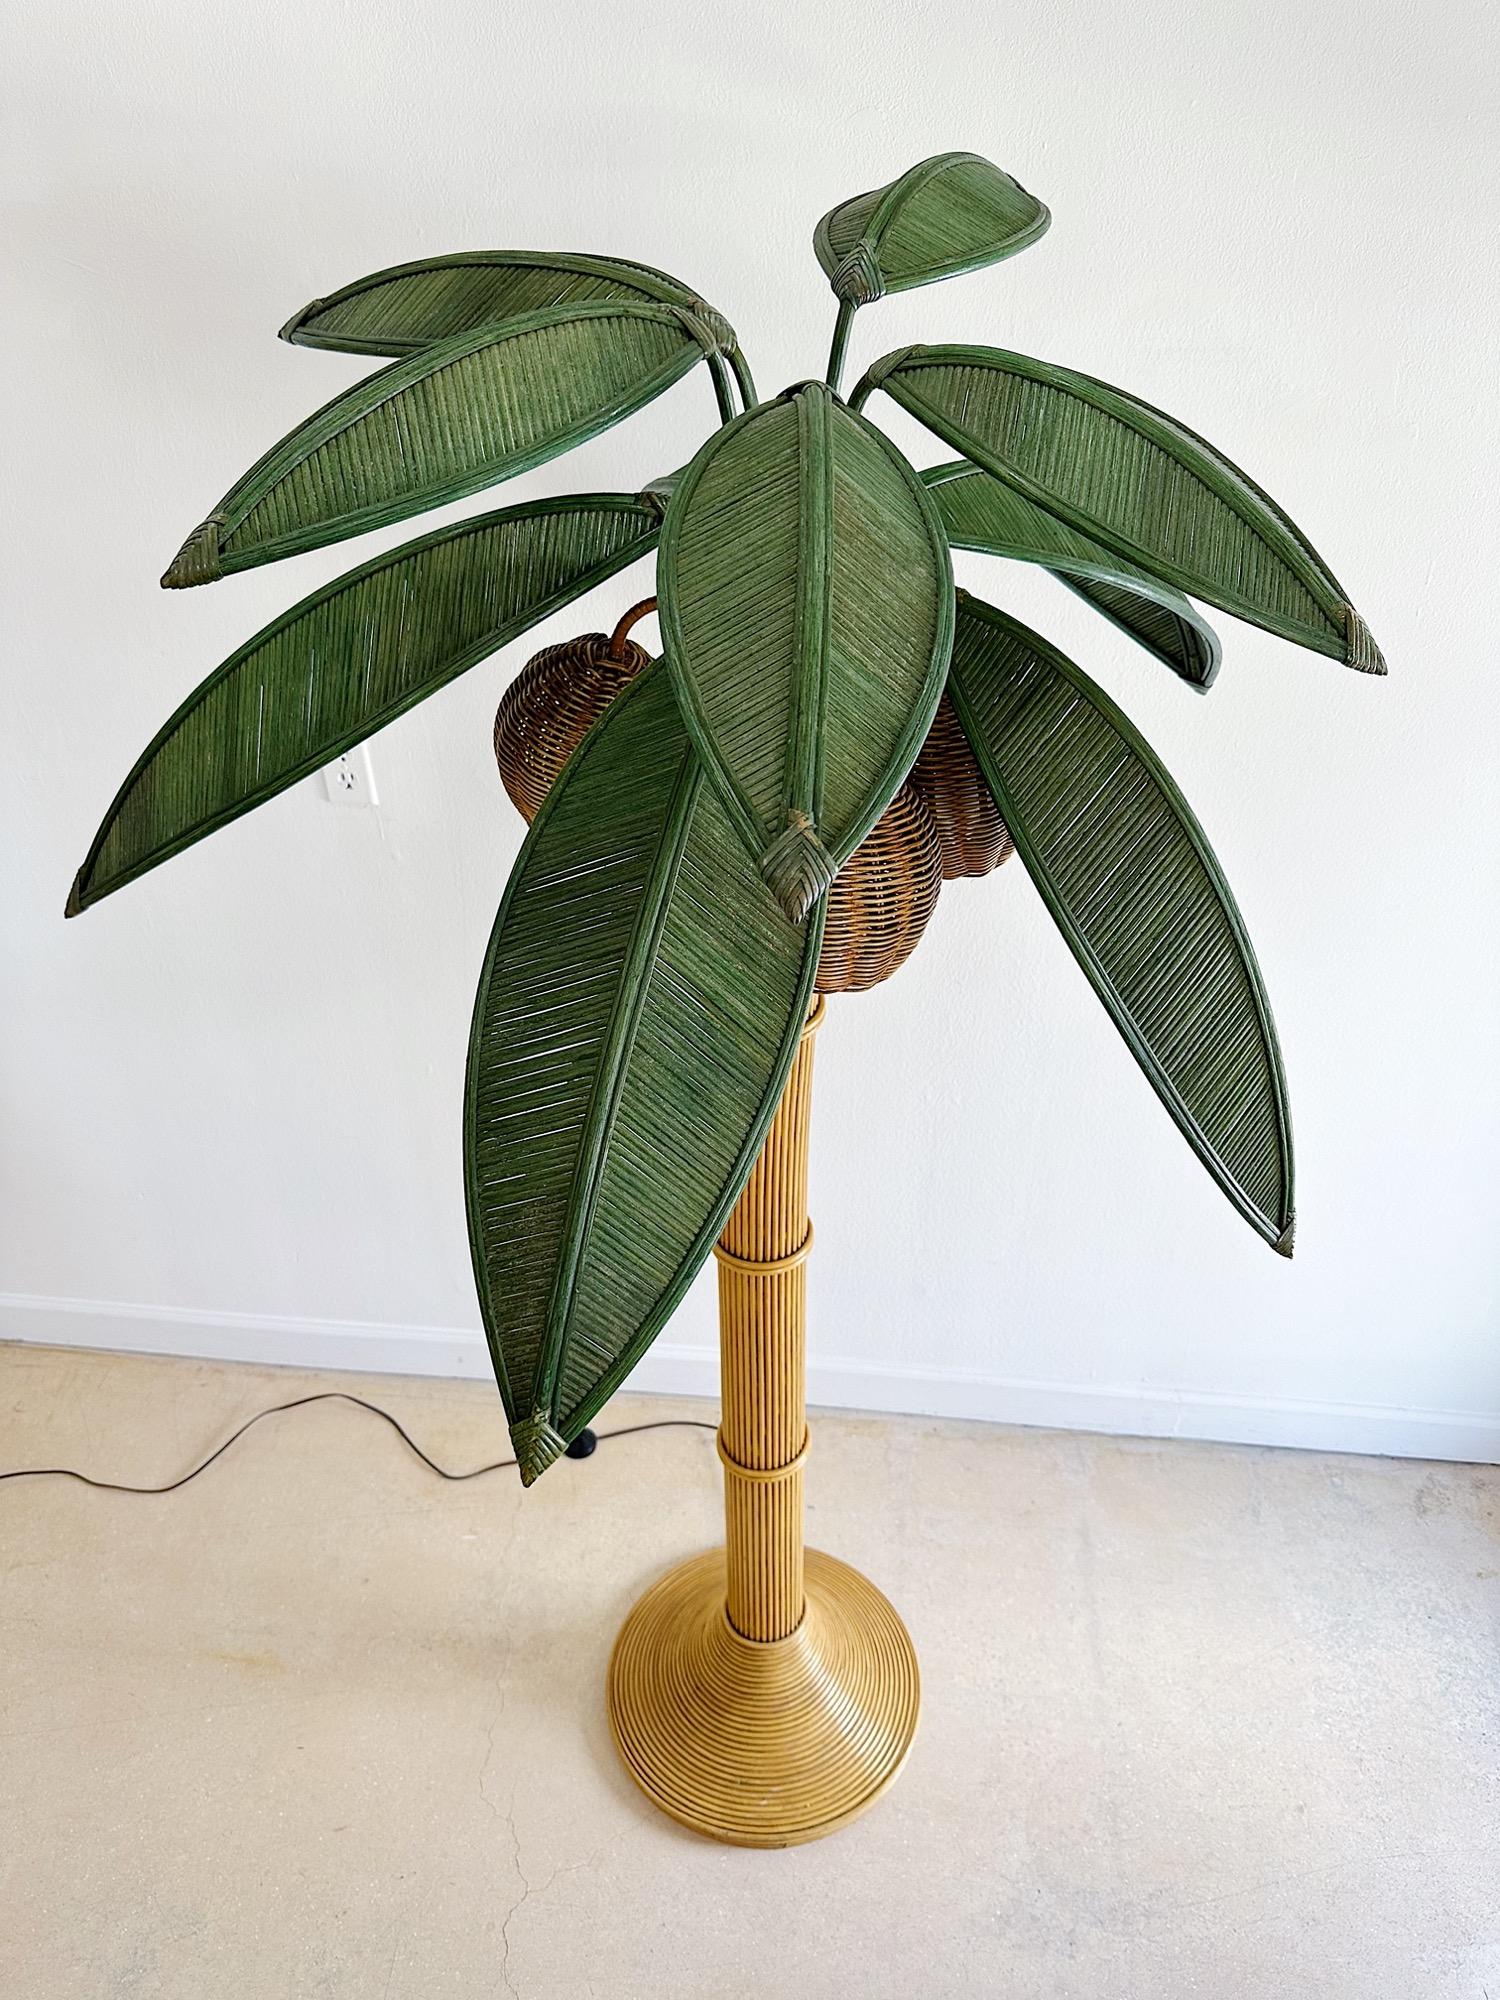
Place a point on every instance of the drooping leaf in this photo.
(982, 513)
(459, 415)
(398, 311)
(1135, 889)
(404, 309)
(806, 608)
(639, 1009)
(351, 658)
(953, 213)
(1134, 479)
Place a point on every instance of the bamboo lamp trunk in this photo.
(765, 1693)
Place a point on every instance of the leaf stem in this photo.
(744, 378)
(722, 392)
(841, 328)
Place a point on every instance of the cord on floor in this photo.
(343, 1396)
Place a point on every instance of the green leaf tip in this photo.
(857, 279)
(74, 905)
(797, 867)
(1286, 1240)
(657, 492)
(299, 319)
(1159, 938)
(710, 329)
(874, 376)
(1361, 651)
(537, 1445)
(953, 213)
(197, 561)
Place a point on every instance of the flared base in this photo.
(763, 1745)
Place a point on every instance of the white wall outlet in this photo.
(350, 781)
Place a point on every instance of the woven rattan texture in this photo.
(447, 421)
(349, 659)
(550, 707)
(1147, 486)
(763, 1368)
(806, 615)
(1161, 940)
(406, 308)
(881, 899)
(951, 213)
(604, 1146)
(973, 836)
(981, 512)
(767, 1694)
(764, 1745)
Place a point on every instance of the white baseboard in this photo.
(833, 1381)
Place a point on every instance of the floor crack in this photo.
(515, 1862)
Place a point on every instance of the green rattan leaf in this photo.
(806, 607)
(460, 415)
(639, 1009)
(1134, 479)
(349, 659)
(949, 214)
(406, 308)
(982, 513)
(1133, 885)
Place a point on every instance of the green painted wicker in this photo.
(982, 513)
(953, 213)
(406, 308)
(351, 658)
(658, 942)
(457, 416)
(806, 609)
(604, 1149)
(1142, 484)
(1125, 869)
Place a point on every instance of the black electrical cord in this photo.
(343, 1396)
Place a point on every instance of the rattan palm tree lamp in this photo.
(721, 836)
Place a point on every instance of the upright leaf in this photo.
(806, 608)
(639, 1009)
(982, 513)
(348, 660)
(949, 214)
(1134, 479)
(1133, 885)
(398, 311)
(459, 415)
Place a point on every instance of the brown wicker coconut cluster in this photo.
(941, 824)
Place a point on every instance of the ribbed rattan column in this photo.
(765, 1693)
(763, 1366)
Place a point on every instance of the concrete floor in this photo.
(1199, 1720)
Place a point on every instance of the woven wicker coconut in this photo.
(881, 898)
(554, 702)
(974, 838)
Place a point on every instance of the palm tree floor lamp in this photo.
(720, 836)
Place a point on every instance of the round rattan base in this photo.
(763, 1745)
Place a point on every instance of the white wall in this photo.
(231, 1097)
